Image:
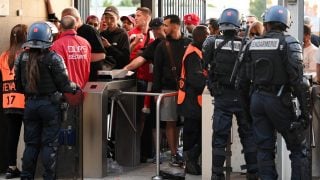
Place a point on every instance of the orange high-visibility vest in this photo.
(181, 92)
(11, 98)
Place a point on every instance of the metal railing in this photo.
(158, 103)
(182, 7)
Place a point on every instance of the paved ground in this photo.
(146, 172)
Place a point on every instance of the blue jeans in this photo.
(269, 115)
(42, 121)
(225, 107)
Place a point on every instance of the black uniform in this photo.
(274, 66)
(221, 53)
(42, 115)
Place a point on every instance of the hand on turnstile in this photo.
(74, 99)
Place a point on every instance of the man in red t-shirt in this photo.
(75, 50)
(140, 36)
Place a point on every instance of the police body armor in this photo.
(46, 85)
(224, 58)
(268, 55)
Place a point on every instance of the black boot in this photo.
(191, 157)
(252, 176)
(217, 177)
(10, 173)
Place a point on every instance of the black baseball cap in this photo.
(156, 22)
(112, 10)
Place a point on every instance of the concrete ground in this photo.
(146, 171)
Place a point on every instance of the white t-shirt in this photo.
(310, 58)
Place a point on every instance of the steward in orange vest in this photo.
(191, 84)
(12, 100)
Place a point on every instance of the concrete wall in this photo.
(30, 11)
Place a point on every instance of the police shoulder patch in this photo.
(264, 44)
(228, 45)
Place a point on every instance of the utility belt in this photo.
(216, 88)
(277, 90)
(55, 98)
(227, 86)
(38, 97)
(220, 86)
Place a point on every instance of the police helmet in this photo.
(277, 14)
(40, 35)
(229, 20)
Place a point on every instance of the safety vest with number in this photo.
(181, 92)
(11, 98)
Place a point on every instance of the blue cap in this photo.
(156, 22)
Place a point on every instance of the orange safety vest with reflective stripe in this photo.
(11, 98)
(181, 92)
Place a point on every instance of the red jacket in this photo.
(76, 52)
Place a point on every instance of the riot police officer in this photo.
(220, 53)
(274, 73)
(41, 75)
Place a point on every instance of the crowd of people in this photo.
(50, 62)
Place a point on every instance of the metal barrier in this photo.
(160, 96)
(182, 7)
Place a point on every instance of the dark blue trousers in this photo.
(269, 115)
(42, 121)
(225, 106)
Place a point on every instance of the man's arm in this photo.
(318, 66)
(120, 52)
(194, 73)
(207, 50)
(157, 68)
(301, 89)
(135, 63)
(51, 14)
(318, 73)
(97, 56)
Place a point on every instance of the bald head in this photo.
(68, 22)
(72, 12)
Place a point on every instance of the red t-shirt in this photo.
(144, 72)
(76, 52)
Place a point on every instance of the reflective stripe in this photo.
(264, 44)
(11, 98)
(228, 45)
(182, 94)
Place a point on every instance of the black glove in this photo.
(305, 120)
(302, 123)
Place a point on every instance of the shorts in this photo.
(168, 109)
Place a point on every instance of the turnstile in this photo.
(95, 117)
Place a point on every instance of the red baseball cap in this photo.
(130, 18)
(191, 19)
